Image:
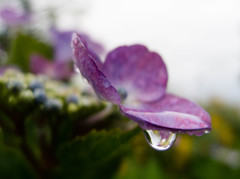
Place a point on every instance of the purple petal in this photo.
(140, 72)
(172, 113)
(90, 48)
(89, 69)
(14, 18)
(55, 70)
(92, 45)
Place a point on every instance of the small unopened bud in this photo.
(26, 95)
(53, 104)
(15, 86)
(35, 85)
(72, 99)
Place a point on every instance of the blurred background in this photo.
(200, 43)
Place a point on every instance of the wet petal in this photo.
(92, 50)
(171, 113)
(141, 72)
(95, 47)
(89, 69)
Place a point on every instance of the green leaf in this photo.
(99, 151)
(24, 46)
(13, 164)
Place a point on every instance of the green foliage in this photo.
(64, 142)
(215, 155)
(4, 40)
(59, 141)
(133, 168)
(13, 164)
(98, 151)
(23, 46)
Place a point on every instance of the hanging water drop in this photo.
(122, 93)
(159, 140)
(206, 131)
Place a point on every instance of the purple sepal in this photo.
(89, 69)
(171, 113)
(140, 72)
(93, 46)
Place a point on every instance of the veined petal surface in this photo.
(140, 72)
(89, 69)
(171, 113)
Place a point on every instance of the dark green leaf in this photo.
(99, 151)
(13, 164)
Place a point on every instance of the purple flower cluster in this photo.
(135, 79)
(60, 67)
(14, 18)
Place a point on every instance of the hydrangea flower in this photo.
(14, 18)
(135, 79)
(59, 67)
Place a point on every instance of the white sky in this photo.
(198, 39)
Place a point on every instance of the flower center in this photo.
(122, 93)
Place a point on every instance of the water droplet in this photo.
(123, 93)
(159, 140)
(206, 131)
